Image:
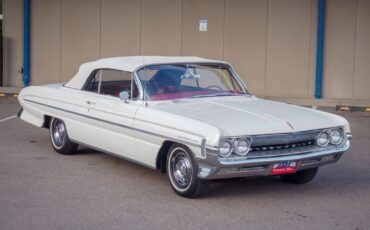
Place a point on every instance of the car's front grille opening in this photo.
(282, 146)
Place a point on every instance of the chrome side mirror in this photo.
(124, 96)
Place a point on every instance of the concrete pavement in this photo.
(40, 189)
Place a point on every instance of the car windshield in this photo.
(173, 82)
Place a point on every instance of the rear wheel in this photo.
(59, 138)
(300, 177)
(182, 170)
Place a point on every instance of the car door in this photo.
(111, 123)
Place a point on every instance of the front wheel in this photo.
(59, 138)
(182, 172)
(300, 177)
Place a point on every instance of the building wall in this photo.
(12, 42)
(271, 43)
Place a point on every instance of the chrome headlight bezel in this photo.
(330, 133)
(237, 144)
(321, 134)
(225, 153)
(234, 142)
(341, 134)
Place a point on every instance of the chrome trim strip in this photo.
(139, 85)
(202, 145)
(239, 80)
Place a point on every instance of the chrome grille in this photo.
(284, 138)
(283, 144)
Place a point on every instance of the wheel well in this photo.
(47, 120)
(162, 155)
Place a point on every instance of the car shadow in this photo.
(82, 150)
(254, 186)
(327, 181)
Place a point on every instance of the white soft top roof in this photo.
(129, 64)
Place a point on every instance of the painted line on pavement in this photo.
(8, 118)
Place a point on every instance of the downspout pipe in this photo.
(26, 43)
(320, 48)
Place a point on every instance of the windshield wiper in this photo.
(209, 95)
(222, 94)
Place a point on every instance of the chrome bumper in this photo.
(214, 167)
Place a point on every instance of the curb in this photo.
(352, 108)
(8, 95)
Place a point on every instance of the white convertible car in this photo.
(190, 117)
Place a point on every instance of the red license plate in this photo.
(284, 167)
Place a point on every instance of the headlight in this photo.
(336, 136)
(242, 146)
(225, 149)
(323, 139)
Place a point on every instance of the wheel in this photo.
(300, 177)
(59, 138)
(182, 170)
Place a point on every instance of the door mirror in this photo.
(124, 96)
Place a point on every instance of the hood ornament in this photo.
(290, 125)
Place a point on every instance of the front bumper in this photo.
(214, 167)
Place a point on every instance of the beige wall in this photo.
(13, 42)
(288, 48)
(271, 43)
(120, 28)
(204, 44)
(80, 34)
(245, 46)
(361, 87)
(347, 47)
(45, 42)
(161, 27)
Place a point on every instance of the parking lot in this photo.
(40, 189)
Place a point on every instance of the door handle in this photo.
(90, 102)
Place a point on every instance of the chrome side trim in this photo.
(202, 145)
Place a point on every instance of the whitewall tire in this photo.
(59, 137)
(182, 172)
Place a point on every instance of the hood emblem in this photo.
(290, 125)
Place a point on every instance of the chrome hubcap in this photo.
(181, 169)
(59, 133)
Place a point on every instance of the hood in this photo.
(236, 116)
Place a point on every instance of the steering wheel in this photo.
(215, 86)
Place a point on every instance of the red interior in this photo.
(176, 95)
(173, 93)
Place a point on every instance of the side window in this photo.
(93, 82)
(112, 82)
